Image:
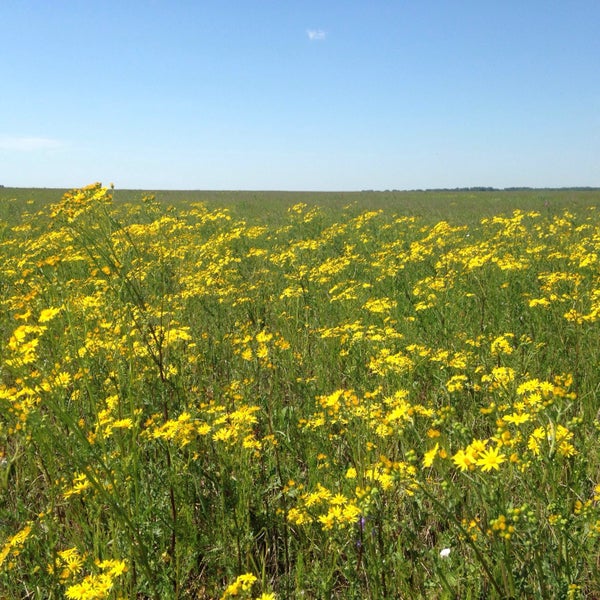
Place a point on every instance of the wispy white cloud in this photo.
(315, 35)
(27, 143)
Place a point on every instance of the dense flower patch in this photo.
(352, 404)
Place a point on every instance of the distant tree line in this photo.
(484, 188)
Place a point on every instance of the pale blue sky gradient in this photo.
(303, 95)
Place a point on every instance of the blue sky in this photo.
(302, 95)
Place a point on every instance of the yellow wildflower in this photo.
(490, 459)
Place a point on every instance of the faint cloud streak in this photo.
(28, 144)
(315, 35)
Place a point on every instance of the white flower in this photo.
(445, 552)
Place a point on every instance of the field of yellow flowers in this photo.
(342, 404)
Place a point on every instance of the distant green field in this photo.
(434, 205)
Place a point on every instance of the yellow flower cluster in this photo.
(96, 586)
(12, 546)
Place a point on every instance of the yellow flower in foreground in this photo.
(71, 561)
(351, 474)
(242, 584)
(114, 567)
(430, 455)
(48, 314)
(379, 305)
(97, 586)
(517, 418)
(490, 459)
(93, 587)
(12, 545)
(464, 460)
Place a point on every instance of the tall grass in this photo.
(201, 402)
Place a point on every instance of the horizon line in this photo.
(477, 188)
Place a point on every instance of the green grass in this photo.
(370, 395)
(436, 205)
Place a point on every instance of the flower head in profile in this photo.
(430, 456)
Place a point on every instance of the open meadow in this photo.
(283, 395)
